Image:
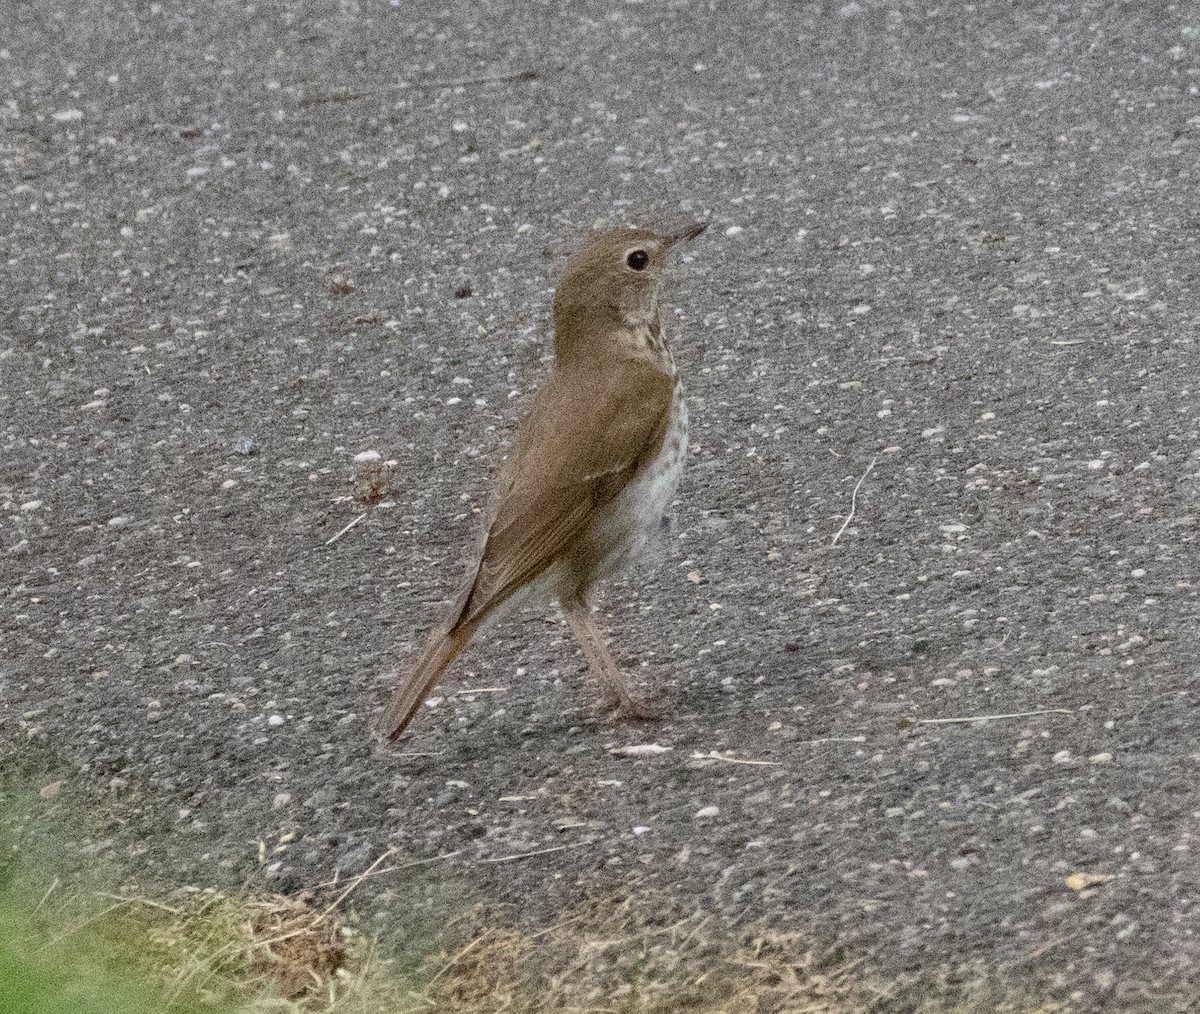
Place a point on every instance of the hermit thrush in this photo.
(593, 466)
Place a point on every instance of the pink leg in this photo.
(614, 684)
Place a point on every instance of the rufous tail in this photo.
(407, 698)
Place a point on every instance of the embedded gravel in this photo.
(245, 243)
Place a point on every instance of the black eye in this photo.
(638, 259)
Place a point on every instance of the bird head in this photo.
(613, 282)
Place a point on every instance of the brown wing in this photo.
(584, 439)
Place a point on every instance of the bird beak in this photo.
(688, 233)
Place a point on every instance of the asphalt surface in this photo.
(244, 244)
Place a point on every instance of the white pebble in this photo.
(367, 457)
(708, 811)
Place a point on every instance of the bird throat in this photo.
(633, 330)
(639, 306)
(642, 334)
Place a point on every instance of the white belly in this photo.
(637, 512)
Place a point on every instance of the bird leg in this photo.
(614, 684)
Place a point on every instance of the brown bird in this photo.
(593, 466)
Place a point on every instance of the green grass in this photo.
(72, 943)
(67, 960)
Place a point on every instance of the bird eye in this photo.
(637, 260)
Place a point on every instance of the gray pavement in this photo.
(960, 242)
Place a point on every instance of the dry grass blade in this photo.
(330, 542)
(853, 503)
(45, 897)
(135, 900)
(992, 718)
(618, 955)
(84, 924)
(298, 952)
(393, 869)
(537, 852)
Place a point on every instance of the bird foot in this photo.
(651, 708)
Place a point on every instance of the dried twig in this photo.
(518, 75)
(538, 852)
(853, 503)
(393, 869)
(992, 718)
(512, 75)
(346, 529)
(832, 739)
(640, 750)
(713, 755)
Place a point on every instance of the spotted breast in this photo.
(636, 514)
